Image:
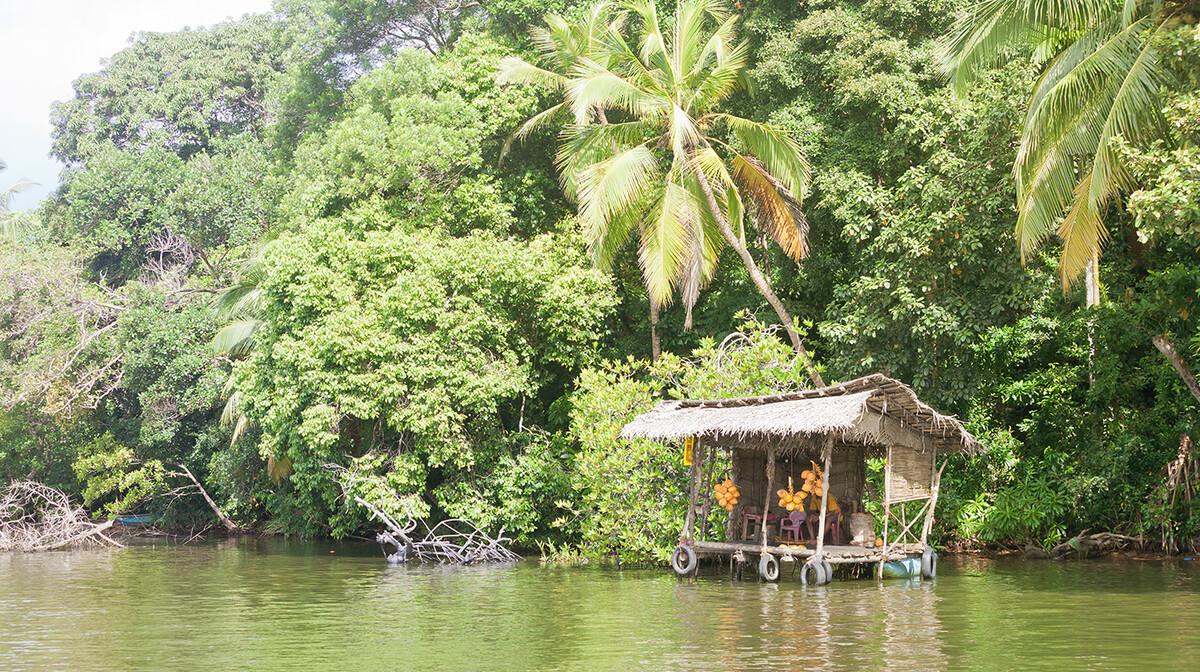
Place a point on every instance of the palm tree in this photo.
(11, 225)
(561, 44)
(240, 306)
(1102, 73)
(662, 172)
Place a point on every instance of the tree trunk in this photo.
(760, 281)
(1092, 273)
(1092, 279)
(1164, 345)
(655, 344)
(229, 524)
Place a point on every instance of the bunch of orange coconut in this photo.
(814, 484)
(790, 499)
(727, 494)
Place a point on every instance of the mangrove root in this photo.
(36, 517)
(1084, 544)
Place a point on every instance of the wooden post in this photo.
(706, 479)
(887, 509)
(767, 500)
(733, 527)
(826, 458)
(933, 497)
(694, 486)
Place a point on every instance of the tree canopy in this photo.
(406, 251)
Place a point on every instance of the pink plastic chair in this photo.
(752, 522)
(790, 527)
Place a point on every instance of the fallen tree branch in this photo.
(450, 542)
(35, 517)
(1083, 543)
(229, 524)
(95, 530)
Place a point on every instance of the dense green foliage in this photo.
(420, 318)
(1103, 72)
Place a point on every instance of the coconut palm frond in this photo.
(593, 86)
(775, 211)
(611, 187)
(1105, 84)
(231, 412)
(22, 185)
(604, 242)
(708, 237)
(722, 80)
(776, 150)
(1082, 230)
(714, 167)
(1102, 77)
(665, 243)
(719, 47)
(237, 339)
(543, 119)
(244, 298)
(981, 37)
(585, 145)
(514, 70)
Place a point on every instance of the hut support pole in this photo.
(706, 479)
(826, 457)
(887, 509)
(770, 486)
(689, 522)
(933, 497)
(733, 527)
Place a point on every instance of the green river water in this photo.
(272, 604)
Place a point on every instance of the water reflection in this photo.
(270, 604)
(845, 625)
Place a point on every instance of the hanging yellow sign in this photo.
(688, 444)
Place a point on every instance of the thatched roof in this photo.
(873, 411)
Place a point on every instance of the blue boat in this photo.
(138, 519)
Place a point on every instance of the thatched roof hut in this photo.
(837, 426)
(873, 411)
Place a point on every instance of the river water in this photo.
(273, 604)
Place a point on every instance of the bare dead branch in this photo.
(35, 517)
(449, 542)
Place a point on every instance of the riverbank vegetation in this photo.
(445, 251)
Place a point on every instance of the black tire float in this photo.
(768, 567)
(684, 560)
(929, 563)
(817, 568)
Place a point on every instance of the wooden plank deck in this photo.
(834, 554)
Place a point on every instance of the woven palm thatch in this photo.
(872, 411)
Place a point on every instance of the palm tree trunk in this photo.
(760, 281)
(655, 344)
(1093, 279)
(1093, 299)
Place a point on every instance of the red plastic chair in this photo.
(790, 527)
(752, 522)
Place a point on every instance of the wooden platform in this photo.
(834, 554)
